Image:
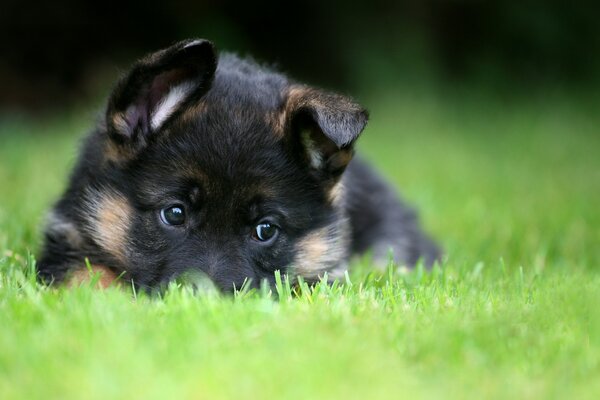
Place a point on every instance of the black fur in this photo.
(244, 145)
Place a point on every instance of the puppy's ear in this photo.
(157, 88)
(322, 128)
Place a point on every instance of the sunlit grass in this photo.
(511, 190)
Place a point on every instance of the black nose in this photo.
(228, 272)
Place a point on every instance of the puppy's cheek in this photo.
(336, 194)
(110, 218)
(82, 276)
(323, 250)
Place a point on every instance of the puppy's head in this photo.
(231, 170)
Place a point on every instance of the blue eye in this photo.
(265, 232)
(173, 215)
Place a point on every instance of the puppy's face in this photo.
(233, 171)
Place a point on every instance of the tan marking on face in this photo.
(336, 193)
(83, 276)
(110, 220)
(265, 191)
(193, 172)
(323, 250)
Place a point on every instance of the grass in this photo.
(510, 188)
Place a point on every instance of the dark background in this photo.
(62, 52)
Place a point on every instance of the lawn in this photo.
(510, 186)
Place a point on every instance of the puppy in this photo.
(228, 168)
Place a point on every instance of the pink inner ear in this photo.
(140, 113)
(162, 83)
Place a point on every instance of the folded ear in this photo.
(157, 88)
(323, 127)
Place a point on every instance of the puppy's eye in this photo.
(265, 232)
(173, 215)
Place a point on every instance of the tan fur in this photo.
(83, 276)
(119, 123)
(189, 171)
(340, 160)
(276, 122)
(323, 250)
(115, 153)
(110, 220)
(296, 96)
(192, 113)
(336, 194)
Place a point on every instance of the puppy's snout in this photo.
(227, 269)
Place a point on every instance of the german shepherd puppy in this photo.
(228, 168)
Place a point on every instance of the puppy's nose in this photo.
(227, 269)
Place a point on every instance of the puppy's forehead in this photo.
(242, 92)
(223, 156)
(227, 140)
(239, 79)
(233, 136)
(198, 181)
